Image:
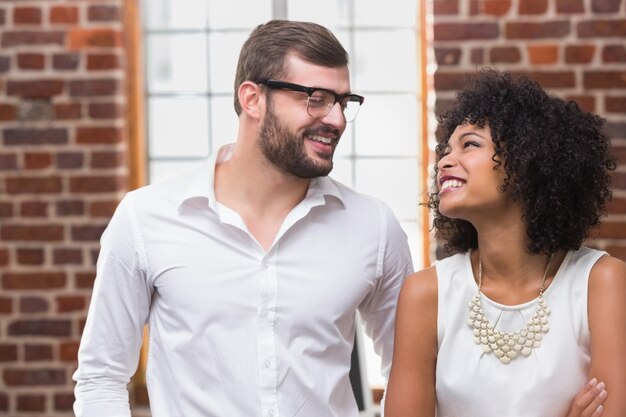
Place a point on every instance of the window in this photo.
(191, 50)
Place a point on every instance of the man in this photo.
(250, 271)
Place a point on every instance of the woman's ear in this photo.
(251, 99)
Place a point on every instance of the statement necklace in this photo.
(508, 345)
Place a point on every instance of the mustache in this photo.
(322, 130)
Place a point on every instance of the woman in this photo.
(522, 320)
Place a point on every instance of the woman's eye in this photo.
(470, 143)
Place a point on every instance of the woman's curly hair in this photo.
(555, 156)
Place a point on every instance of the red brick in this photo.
(31, 61)
(100, 62)
(8, 162)
(6, 305)
(8, 353)
(7, 112)
(33, 280)
(70, 208)
(552, 79)
(84, 280)
(6, 210)
(105, 110)
(94, 38)
(30, 256)
(102, 208)
(602, 29)
(614, 53)
(4, 257)
(87, 232)
(22, 37)
(615, 105)
(43, 327)
(33, 305)
(22, 137)
(604, 79)
(37, 233)
(5, 64)
(618, 204)
(619, 182)
(34, 209)
(532, 30)
(34, 185)
(617, 251)
(450, 81)
(66, 62)
(612, 230)
(570, 6)
(68, 111)
(448, 56)
(35, 89)
(69, 303)
(37, 160)
(97, 87)
(2, 17)
(533, 7)
(64, 15)
(107, 159)
(68, 351)
(70, 160)
(508, 54)
(98, 135)
(465, 31)
(33, 353)
(61, 256)
(615, 129)
(63, 401)
(605, 6)
(44, 376)
(579, 54)
(103, 13)
(587, 103)
(543, 54)
(31, 402)
(490, 7)
(4, 402)
(27, 15)
(444, 7)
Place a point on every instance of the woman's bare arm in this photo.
(411, 388)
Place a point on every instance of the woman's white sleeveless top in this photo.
(471, 383)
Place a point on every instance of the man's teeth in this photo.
(322, 139)
(447, 184)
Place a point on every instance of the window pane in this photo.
(342, 171)
(344, 148)
(239, 14)
(400, 13)
(162, 170)
(379, 66)
(224, 54)
(224, 122)
(177, 62)
(392, 180)
(174, 14)
(178, 127)
(329, 13)
(387, 125)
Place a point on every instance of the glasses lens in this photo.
(320, 103)
(351, 109)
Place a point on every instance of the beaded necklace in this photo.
(507, 346)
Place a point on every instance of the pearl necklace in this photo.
(508, 345)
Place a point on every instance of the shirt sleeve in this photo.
(378, 310)
(119, 308)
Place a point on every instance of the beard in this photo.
(285, 149)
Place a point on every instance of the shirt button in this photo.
(267, 363)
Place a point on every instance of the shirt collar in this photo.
(202, 182)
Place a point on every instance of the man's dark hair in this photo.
(555, 156)
(263, 55)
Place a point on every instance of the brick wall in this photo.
(62, 172)
(574, 48)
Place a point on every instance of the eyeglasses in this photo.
(321, 101)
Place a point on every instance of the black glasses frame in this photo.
(309, 91)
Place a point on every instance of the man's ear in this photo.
(251, 99)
